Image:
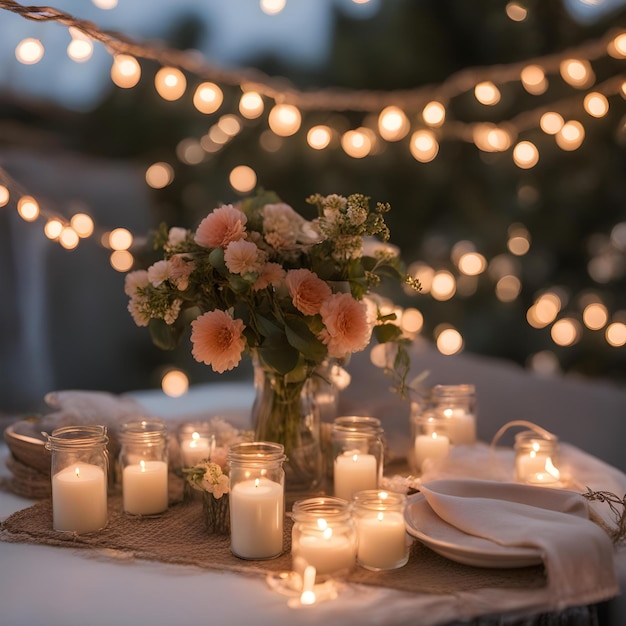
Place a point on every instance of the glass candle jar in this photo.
(457, 403)
(323, 536)
(381, 530)
(196, 441)
(358, 450)
(431, 441)
(257, 499)
(536, 459)
(144, 467)
(79, 469)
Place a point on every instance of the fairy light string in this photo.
(393, 109)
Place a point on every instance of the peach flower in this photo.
(220, 227)
(159, 272)
(218, 340)
(242, 257)
(347, 327)
(271, 274)
(307, 291)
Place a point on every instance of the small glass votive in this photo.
(381, 529)
(196, 441)
(79, 468)
(358, 451)
(323, 536)
(144, 467)
(257, 499)
(537, 459)
(457, 403)
(431, 442)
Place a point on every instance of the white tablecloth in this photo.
(48, 585)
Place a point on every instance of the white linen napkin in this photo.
(577, 554)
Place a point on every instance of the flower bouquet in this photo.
(296, 295)
(209, 478)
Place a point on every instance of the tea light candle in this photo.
(536, 468)
(382, 540)
(195, 449)
(144, 487)
(79, 498)
(461, 426)
(432, 446)
(354, 472)
(328, 552)
(256, 518)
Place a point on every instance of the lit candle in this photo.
(144, 487)
(79, 498)
(328, 552)
(382, 540)
(195, 449)
(461, 426)
(536, 467)
(256, 518)
(432, 446)
(354, 472)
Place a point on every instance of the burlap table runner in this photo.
(178, 536)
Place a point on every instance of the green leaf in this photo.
(302, 339)
(266, 327)
(216, 259)
(278, 354)
(387, 332)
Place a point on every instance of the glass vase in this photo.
(216, 513)
(287, 412)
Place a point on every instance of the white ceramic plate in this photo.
(424, 524)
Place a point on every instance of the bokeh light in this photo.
(242, 178)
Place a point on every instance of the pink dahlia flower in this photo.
(218, 340)
(347, 327)
(307, 291)
(242, 257)
(220, 227)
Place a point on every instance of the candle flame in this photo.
(328, 533)
(536, 446)
(551, 469)
(77, 473)
(448, 412)
(380, 517)
(142, 465)
(434, 435)
(256, 482)
(355, 457)
(195, 436)
(532, 454)
(322, 523)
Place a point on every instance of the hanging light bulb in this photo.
(393, 124)
(577, 73)
(525, 155)
(125, 71)
(534, 80)
(284, 120)
(170, 83)
(357, 143)
(80, 48)
(251, 105)
(4, 196)
(424, 145)
(319, 137)
(207, 98)
(28, 208)
(571, 136)
(551, 123)
(617, 47)
(29, 51)
(68, 238)
(53, 228)
(487, 93)
(434, 114)
(596, 104)
(82, 224)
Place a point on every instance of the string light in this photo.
(29, 51)
(80, 48)
(424, 146)
(596, 104)
(551, 123)
(434, 114)
(207, 98)
(82, 224)
(284, 120)
(357, 143)
(251, 105)
(125, 71)
(28, 208)
(159, 175)
(53, 228)
(393, 124)
(487, 93)
(534, 80)
(170, 83)
(319, 137)
(120, 239)
(571, 135)
(525, 155)
(4, 195)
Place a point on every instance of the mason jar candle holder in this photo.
(358, 453)
(537, 459)
(381, 529)
(457, 403)
(144, 467)
(79, 470)
(431, 442)
(324, 537)
(196, 441)
(257, 499)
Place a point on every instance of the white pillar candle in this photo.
(431, 446)
(460, 426)
(354, 472)
(144, 488)
(328, 552)
(195, 449)
(79, 498)
(256, 518)
(382, 540)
